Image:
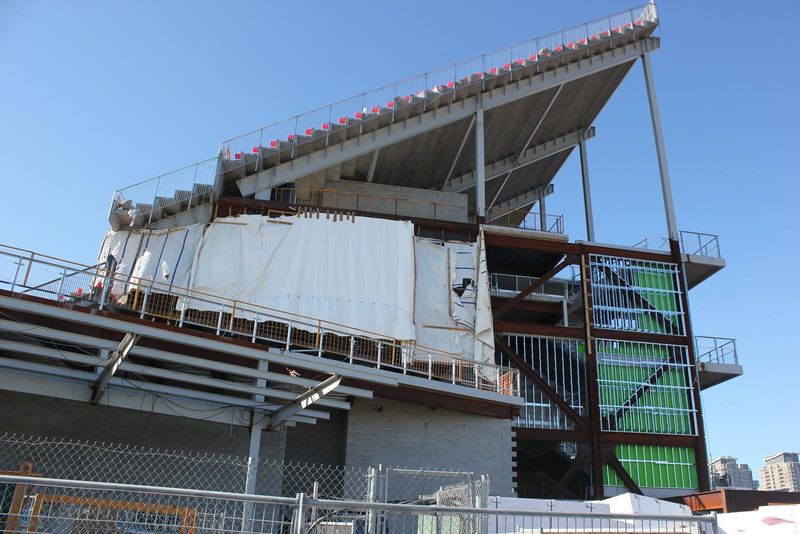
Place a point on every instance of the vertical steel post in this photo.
(661, 153)
(587, 192)
(480, 171)
(257, 420)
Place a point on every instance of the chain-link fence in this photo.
(130, 464)
(77, 507)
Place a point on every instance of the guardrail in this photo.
(26, 273)
(179, 190)
(527, 220)
(62, 506)
(556, 287)
(715, 349)
(692, 243)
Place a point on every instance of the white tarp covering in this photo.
(453, 307)
(161, 256)
(355, 272)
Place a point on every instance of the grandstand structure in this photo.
(561, 368)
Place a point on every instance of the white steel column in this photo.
(587, 192)
(254, 449)
(655, 117)
(480, 183)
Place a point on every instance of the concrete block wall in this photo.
(403, 434)
(50, 417)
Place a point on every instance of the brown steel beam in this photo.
(551, 434)
(592, 391)
(616, 465)
(606, 438)
(533, 242)
(539, 282)
(514, 327)
(540, 382)
(550, 308)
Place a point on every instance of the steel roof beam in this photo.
(460, 110)
(156, 354)
(114, 361)
(139, 386)
(91, 361)
(466, 181)
(520, 201)
(303, 401)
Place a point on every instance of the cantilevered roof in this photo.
(539, 99)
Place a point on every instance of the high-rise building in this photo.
(727, 474)
(781, 472)
(378, 282)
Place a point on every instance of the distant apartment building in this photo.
(781, 472)
(726, 473)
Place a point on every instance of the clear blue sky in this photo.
(98, 95)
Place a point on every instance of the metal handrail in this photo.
(692, 243)
(716, 350)
(226, 317)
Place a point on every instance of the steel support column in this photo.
(254, 449)
(542, 215)
(661, 153)
(587, 192)
(593, 394)
(480, 169)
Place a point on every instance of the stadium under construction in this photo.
(378, 282)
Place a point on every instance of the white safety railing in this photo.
(66, 506)
(715, 350)
(180, 190)
(554, 287)
(692, 243)
(26, 273)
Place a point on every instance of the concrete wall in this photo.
(394, 200)
(402, 434)
(21, 413)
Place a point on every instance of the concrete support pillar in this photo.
(480, 171)
(655, 117)
(587, 192)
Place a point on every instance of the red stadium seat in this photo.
(582, 41)
(558, 49)
(342, 120)
(272, 144)
(326, 126)
(493, 70)
(519, 61)
(571, 45)
(291, 137)
(376, 109)
(359, 115)
(309, 131)
(238, 155)
(390, 104)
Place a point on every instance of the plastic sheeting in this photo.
(161, 257)
(453, 310)
(357, 272)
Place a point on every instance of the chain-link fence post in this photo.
(299, 515)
